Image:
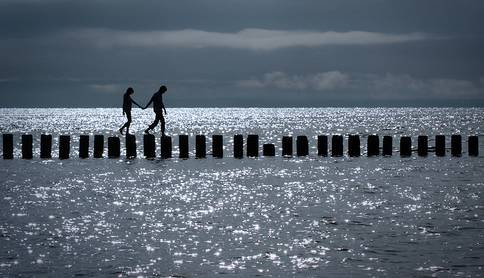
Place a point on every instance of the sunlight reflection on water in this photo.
(268, 216)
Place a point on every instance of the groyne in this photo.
(248, 146)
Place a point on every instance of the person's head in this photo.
(163, 89)
(130, 91)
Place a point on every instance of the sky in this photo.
(242, 53)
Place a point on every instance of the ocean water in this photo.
(268, 216)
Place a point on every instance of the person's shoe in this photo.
(147, 131)
(121, 130)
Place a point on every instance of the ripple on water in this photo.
(279, 217)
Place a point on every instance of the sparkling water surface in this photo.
(275, 217)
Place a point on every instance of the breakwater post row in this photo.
(252, 146)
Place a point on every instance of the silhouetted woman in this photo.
(127, 104)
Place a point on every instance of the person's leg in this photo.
(128, 123)
(162, 120)
(154, 124)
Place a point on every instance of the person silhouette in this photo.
(127, 105)
(158, 108)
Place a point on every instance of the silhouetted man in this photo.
(158, 108)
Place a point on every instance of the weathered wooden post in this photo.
(200, 146)
(337, 145)
(27, 144)
(114, 147)
(423, 145)
(456, 145)
(268, 150)
(387, 145)
(353, 145)
(287, 146)
(7, 146)
(149, 146)
(302, 148)
(183, 146)
(238, 146)
(473, 146)
(218, 146)
(405, 146)
(322, 145)
(373, 145)
(440, 145)
(98, 146)
(165, 146)
(252, 145)
(130, 143)
(45, 146)
(84, 146)
(64, 146)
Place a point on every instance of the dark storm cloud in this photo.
(209, 53)
(448, 16)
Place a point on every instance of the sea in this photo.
(276, 216)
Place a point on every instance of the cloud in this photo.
(408, 87)
(251, 39)
(320, 81)
(106, 88)
(387, 86)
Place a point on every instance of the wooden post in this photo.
(7, 146)
(27, 146)
(200, 146)
(473, 146)
(130, 143)
(238, 146)
(183, 146)
(287, 146)
(98, 146)
(64, 146)
(165, 146)
(302, 148)
(45, 146)
(323, 145)
(337, 145)
(353, 145)
(387, 145)
(149, 146)
(373, 145)
(252, 145)
(440, 145)
(84, 146)
(268, 150)
(456, 145)
(405, 146)
(423, 145)
(217, 146)
(114, 147)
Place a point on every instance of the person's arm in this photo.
(151, 100)
(136, 103)
(163, 106)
